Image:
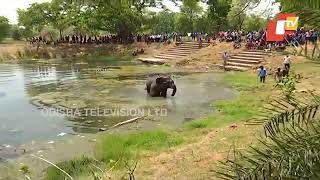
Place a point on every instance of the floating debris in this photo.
(62, 134)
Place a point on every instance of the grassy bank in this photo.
(245, 107)
(115, 150)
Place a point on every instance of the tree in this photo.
(16, 32)
(190, 12)
(35, 17)
(163, 22)
(4, 28)
(238, 12)
(58, 14)
(254, 23)
(217, 13)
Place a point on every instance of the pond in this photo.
(25, 91)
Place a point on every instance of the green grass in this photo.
(111, 148)
(307, 68)
(243, 81)
(76, 167)
(116, 149)
(245, 107)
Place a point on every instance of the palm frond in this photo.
(290, 150)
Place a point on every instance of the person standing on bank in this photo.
(262, 73)
(287, 62)
(225, 59)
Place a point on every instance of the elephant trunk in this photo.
(174, 90)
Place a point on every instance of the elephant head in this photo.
(166, 82)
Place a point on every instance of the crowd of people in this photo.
(258, 39)
(108, 39)
(279, 74)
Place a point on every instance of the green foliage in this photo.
(254, 23)
(25, 169)
(183, 24)
(4, 28)
(291, 149)
(35, 17)
(288, 85)
(217, 13)
(16, 32)
(190, 12)
(51, 33)
(113, 148)
(162, 22)
(238, 12)
(74, 168)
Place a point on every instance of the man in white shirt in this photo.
(287, 62)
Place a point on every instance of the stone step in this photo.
(188, 47)
(191, 45)
(235, 68)
(183, 49)
(253, 53)
(247, 57)
(254, 50)
(180, 51)
(195, 42)
(239, 64)
(244, 61)
(174, 53)
(170, 57)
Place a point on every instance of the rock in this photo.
(102, 129)
(48, 101)
(88, 122)
(233, 126)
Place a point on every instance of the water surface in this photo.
(21, 121)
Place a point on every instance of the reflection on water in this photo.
(20, 121)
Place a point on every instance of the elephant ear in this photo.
(159, 80)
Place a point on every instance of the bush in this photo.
(16, 33)
(4, 28)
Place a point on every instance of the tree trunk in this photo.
(60, 32)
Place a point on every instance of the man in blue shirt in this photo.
(262, 73)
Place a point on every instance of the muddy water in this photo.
(21, 121)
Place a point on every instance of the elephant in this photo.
(157, 87)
